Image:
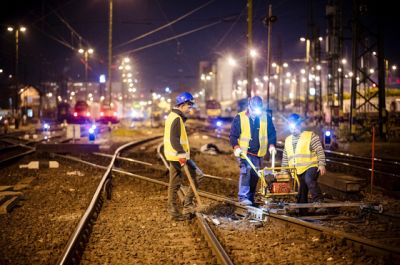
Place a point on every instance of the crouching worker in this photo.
(303, 151)
(177, 152)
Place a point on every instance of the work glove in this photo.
(272, 149)
(182, 159)
(237, 151)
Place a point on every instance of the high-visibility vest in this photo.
(303, 158)
(170, 153)
(245, 134)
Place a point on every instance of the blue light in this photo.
(219, 123)
(91, 131)
(328, 133)
(102, 79)
(292, 126)
(46, 126)
(93, 127)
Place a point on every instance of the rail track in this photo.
(322, 233)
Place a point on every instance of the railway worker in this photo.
(177, 152)
(303, 150)
(252, 133)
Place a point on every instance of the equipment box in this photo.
(281, 187)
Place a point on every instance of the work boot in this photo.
(173, 211)
(188, 209)
(178, 217)
(246, 202)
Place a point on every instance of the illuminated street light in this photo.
(86, 53)
(17, 30)
(318, 67)
(344, 61)
(231, 61)
(302, 39)
(394, 67)
(285, 65)
(274, 65)
(320, 39)
(253, 53)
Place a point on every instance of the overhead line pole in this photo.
(269, 25)
(110, 49)
(249, 46)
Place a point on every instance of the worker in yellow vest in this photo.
(177, 152)
(252, 133)
(303, 150)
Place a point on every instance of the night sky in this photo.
(173, 63)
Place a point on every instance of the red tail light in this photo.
(75, 114)
(88, 114)
(101, 114)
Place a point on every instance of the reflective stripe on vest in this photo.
(245, 134)
(303, 158)
(170, 153)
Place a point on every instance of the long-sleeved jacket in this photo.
(254, 144)
(176, 132)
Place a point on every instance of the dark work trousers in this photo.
(176, 177)
(248, 178)
(308, 182)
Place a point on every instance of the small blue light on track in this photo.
(328, 133)
(219, 123)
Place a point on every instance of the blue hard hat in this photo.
(295, 118)
(183, 98)
(256, 102)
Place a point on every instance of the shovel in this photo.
(193, 186)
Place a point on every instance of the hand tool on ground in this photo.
(193, 186)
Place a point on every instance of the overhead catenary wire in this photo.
(65, 22)
(166, 25)
(171, 38)
(230, 29)
(178, 43)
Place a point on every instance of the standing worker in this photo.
(303, 151)
(177, 152)
(252, 133)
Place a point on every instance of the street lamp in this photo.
(86, 53)
(17, 30)
(110, 18)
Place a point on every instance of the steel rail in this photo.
(262, 213)
(209, 235)
(207, 232)
(12, 158)
(75, 246)
(216, 247)
(363, 168)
